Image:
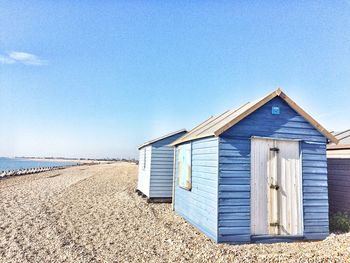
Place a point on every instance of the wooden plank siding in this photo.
(161, 179)
(234, 205)
(339, 184)
(234, 171)
(161, 172)
(156, 180)
(199, 205)
(315, 190)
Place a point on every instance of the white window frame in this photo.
(144, 158)
(184, 166)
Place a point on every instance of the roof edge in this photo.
(310, 119)
(250, 110)
(160, 138)
(192, 139)
(199, 126)
(291, 103)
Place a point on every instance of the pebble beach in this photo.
(92, 214)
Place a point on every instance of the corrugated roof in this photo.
(196, 129)
(344, 140)
(161, 138)
(343, 137)
(215, 126)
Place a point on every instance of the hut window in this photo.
(144, 159)
(184, 166)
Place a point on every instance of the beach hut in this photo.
(257, 173)
(338, 158)
(156, 159)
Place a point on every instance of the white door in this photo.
(276, 196)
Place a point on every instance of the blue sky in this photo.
(98, 78)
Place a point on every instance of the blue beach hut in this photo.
(257, 173)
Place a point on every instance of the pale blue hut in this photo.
(257, 173)
(156, 158)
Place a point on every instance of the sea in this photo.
(20, 163)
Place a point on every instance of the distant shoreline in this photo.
(22, 166)
(74, 160)
(61, 160)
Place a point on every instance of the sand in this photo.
(92, 214)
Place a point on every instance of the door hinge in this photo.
(276, 224)
(274, 186)
(275, 149)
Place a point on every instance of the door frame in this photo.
(301, 208)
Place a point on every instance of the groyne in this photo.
(9, 173)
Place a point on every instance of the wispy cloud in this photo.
(22, 58)
(6, 60)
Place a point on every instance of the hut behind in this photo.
(338, 159)
(156, 159)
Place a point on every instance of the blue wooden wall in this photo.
(200, 205)
(234, 171)
(315, 190)
(162, 159)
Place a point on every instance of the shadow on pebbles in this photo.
(94, 215)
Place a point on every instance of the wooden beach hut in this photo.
(156, 167)
(257, 173)
(338, 158)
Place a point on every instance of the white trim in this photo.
(274, 138)
(174, 181)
